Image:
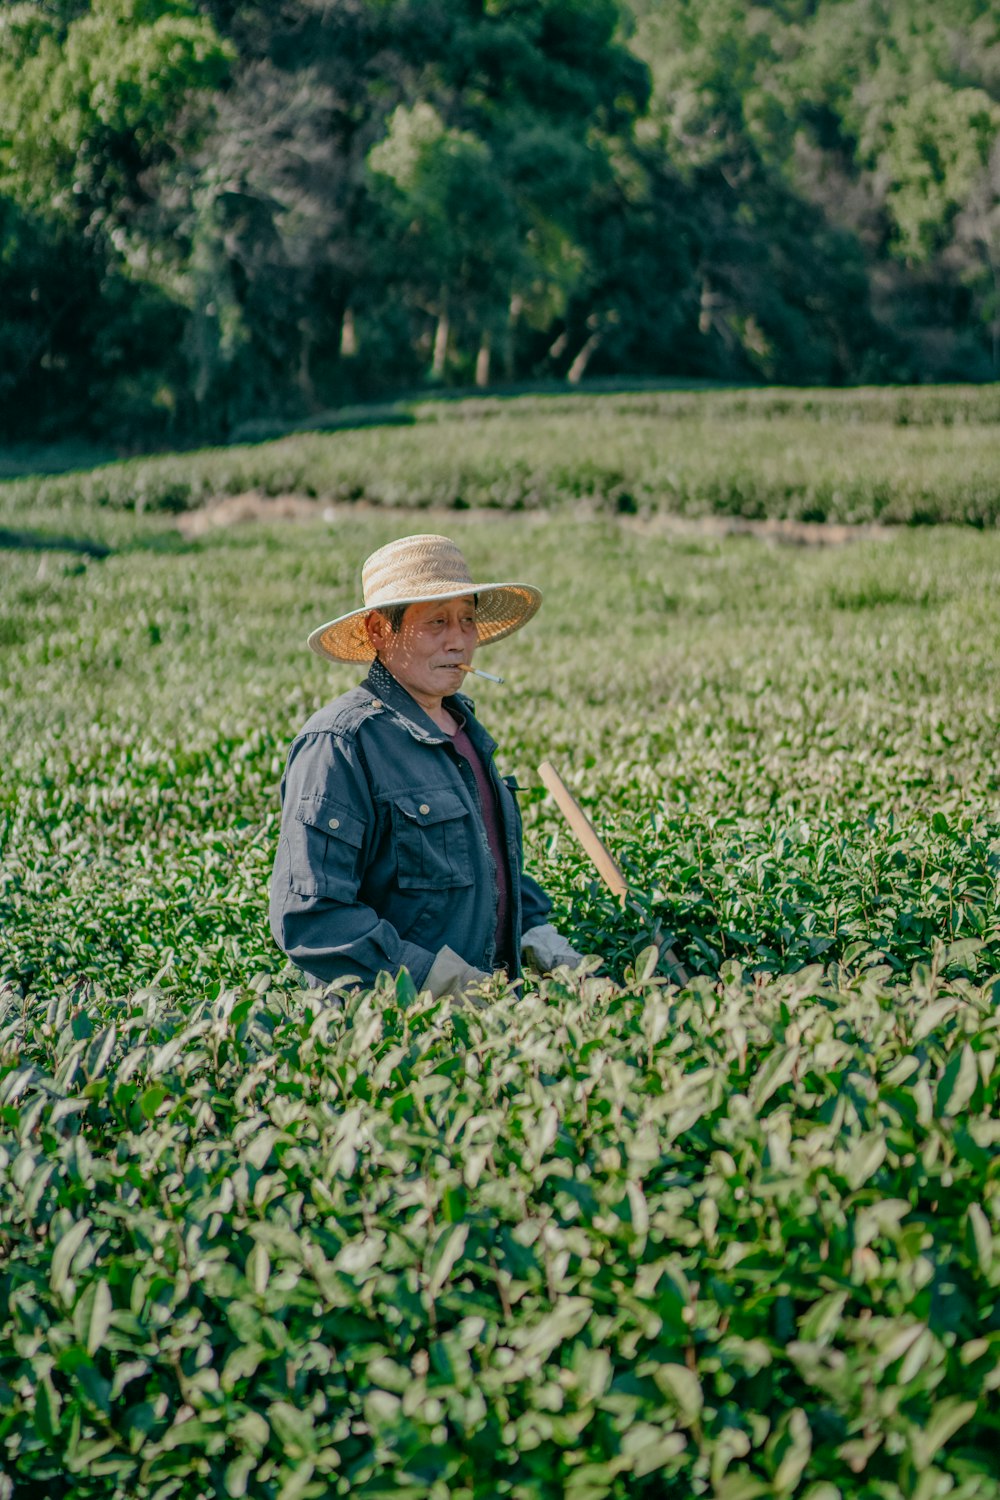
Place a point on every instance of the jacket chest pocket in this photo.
(322, 846)
(432, 831)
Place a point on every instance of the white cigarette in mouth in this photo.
(478, 672)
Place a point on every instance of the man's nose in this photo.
(454, 637)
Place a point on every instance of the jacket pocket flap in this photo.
(437, 806)
(332, 818)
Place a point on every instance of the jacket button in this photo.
(334, 822)
(424, 808)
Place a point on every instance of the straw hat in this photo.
(416, 570)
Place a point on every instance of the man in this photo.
(400, 843)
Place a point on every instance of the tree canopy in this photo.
(217, 210)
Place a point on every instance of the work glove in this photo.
(449, 974)
(544, 949)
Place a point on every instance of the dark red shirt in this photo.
(495, 839)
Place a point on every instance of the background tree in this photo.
(221, 211)
(95, 100)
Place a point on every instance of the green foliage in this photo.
(882, 120)
(589, 1241)
(58, 296)
(301, 206)
(899, 457)
(89, 105)
(455, 216)
(600, 1238)
(781, 894)
(938, 150)
(95, 101)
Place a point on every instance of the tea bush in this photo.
(785, 778)
(907, 456)
(607, 1238)
(591, 1241)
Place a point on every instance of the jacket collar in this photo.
(407, 711)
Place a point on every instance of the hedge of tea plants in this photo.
(596, 1240)
(906, 456)
(605, 1237)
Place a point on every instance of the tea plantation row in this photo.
(602, 1239)
(907, 456)
(594, 1241)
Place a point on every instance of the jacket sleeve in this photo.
(535, 905)
(328, 833)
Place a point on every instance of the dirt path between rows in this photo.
(236, 510)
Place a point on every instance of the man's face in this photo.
(424, 654)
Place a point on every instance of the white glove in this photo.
(544, 949)
(449, 974)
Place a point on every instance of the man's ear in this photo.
(376, 626)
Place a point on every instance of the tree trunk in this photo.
(348, 335)
(576, 370)
(439, 359)
(706, 307)
(483, 362)
(305, 380)
(516, 309)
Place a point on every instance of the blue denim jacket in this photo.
(383, 857)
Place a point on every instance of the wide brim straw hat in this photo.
(418, 570)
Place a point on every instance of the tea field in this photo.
(913, 456)
(607, 1237)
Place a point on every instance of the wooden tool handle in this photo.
(607, 867)
(585, 831)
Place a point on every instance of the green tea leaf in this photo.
(150, 1100)
(64, 1255)
(447, 1250)
(740, 1485)
(773, 1074)
(946, 1418)
(48, 1406)
(292, 1427)
(930, 1018)
(684, 1388)
(92, 1316)
(238, 1474)
(958, 1083)
(865, 1158)
(982, 1246)
(790, 1449)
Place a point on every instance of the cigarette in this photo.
(478, 672)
